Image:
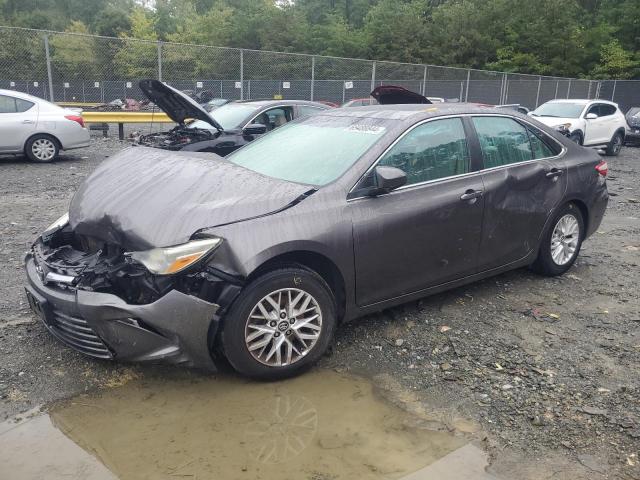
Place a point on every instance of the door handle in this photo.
(28, 122)
(471, 195)
(553, 173)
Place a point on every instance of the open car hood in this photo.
(392, 95)
(146, 197)
(177, 105)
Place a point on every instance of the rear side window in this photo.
(13, 105)
(606, 110)
(541, 145)
(503, 141)
(436, 149)
(305, 110)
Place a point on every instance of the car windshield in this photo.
(315, 150)
(559, 109)
(229, 116)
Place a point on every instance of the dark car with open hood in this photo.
(220, 130)
(184, 257)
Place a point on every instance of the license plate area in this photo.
(38, 305)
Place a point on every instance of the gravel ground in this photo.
(545, 370)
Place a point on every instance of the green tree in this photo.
(615, 62)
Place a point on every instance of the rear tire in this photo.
(615, 145)
(561, 242)
(42, 148)
(269, 343)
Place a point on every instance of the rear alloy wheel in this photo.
(615, 145)
(561, 242)
(41, 148)
(281, 324)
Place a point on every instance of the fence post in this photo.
(48, 58)
(613, 93)
(373, 76)
(241, 74)
(599, 84)
(503, 86)
(538, 94)
(313, 75)
(160, 61)
(569, 89)
(555, 95)
(589, 92)
(466, 92)
(424, 82)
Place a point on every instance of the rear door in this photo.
(524, 180)
(18, 120)
(427, 232)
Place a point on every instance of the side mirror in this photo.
(591, 116)
(387, 179)
(255, 129)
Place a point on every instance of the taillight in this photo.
(75, 118)
(602, 168)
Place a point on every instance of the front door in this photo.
(523, 183)
(427, 232)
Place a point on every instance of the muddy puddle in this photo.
(320, 426)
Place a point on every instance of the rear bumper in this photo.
(79, 139)
(175, 329)
(598, 209)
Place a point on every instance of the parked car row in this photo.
(181, 257)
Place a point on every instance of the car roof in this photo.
(581, 101)
(406, 111)
(17, 94)
(267, 103)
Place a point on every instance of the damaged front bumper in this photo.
(175, 328)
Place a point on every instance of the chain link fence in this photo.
(67, 67)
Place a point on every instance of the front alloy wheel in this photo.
(283, 327)
(281, 323)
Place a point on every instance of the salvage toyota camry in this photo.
(183, 257)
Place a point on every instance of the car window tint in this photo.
(593, 109)
(606, 110)
(430, 151)
(503, 141)
(23, 105)
(539, 146)
(307, 110)
(7, 104)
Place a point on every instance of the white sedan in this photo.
(38, 128)
(592, 123)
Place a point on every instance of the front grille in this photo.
(77, 333)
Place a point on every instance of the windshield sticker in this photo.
(372, 129)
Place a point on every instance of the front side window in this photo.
(314, 150)
(503, 141)
(430, 151)
(275, 117)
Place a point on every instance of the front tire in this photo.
(576, 137)
(280, 325)
(615, 145)
(561, 242)
(42, 149)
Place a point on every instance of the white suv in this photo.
(592, 123)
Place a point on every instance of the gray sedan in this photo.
(38, 128)
(179, 256)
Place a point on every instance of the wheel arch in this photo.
(42, 134)
(319, 263)
(584, 211)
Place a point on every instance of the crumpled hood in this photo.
(144, 197)
(177, 105)
(553, 121)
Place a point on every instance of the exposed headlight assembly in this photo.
(55, 226)
(563, 126)
(169, 260)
